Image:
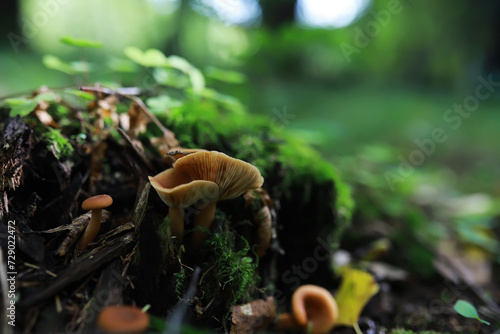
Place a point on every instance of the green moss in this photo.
(167, 247)
(58, 144)
(300, 159)
(231, 268)
(180, 278)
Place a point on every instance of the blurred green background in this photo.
(356, 78)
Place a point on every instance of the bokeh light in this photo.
(329, 13)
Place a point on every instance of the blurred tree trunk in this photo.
(277, 12)
(8, 17)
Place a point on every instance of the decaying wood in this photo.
(76, 229)
(254, 316)
(15, 146)
(81, 268)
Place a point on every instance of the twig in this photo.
(169, 135)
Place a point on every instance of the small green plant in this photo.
(466, 309)
(58, 144)
(235, 269)
(232, 268)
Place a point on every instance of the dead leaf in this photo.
(384, 271)
(356, 289)
(263, 218)
(470, 265)
(105, 109)
(256, 315)
(96, 161)
(138, 121)
(45, 118)
(263, 221)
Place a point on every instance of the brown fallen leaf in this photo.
(138, 120)
(96, 161)
(263, 220)
(254, 316)
(262, 217)
(43, 116)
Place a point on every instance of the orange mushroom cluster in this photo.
(204, 178)
(313, 309)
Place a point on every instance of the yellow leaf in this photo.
(355, 291)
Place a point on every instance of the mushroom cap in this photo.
(176, 189)
(312, 303)
(123, 319)
(233, 176)
(97, 202)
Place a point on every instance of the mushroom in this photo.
(122, 319)
(179, 191)
(312, 306)
(233, 176)
(96, 204)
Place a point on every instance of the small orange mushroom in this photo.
(96, 204)
(123, 320)
(312, 307)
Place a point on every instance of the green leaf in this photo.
(56, 63)
(80, 93)
(197, 80)
(225, 75)
(227, 101)
(466, 309)
(195, 75)
(15, 102)
(81, 66)
(155, 323)
(58, 144)
(47, 97)
(171, 77)
(82, 43)
(162, 103)
(148, 58)
(21, 107)
(122, 65)
(179, 63)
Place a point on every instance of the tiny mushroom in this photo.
(233, 177)
(176, 189)
(123, 319)
(96, 204)
(313, 308)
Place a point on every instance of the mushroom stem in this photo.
(91, 230)
(287, 322)
(204, 218)
(177, 222)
